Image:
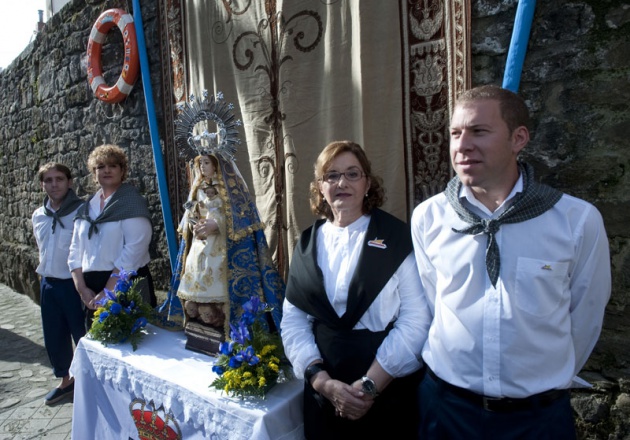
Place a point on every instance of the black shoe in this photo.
(59, 393)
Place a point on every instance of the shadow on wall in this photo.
(20, 274)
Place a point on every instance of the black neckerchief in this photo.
(532, 202)
(69, 203)
(126, 203)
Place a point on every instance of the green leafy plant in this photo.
(122, 314)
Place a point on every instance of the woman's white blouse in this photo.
(402, 300)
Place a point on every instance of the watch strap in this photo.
(312, 370)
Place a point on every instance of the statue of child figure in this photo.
(203, 288)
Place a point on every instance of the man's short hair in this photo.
(54, 166)
(513, 109)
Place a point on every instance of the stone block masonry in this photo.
(48, 112)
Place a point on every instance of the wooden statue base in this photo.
(202, 338)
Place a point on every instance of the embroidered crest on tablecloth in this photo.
(152, 423)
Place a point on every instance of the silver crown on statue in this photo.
(211, 109)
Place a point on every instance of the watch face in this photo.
(369, 387)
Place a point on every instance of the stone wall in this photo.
(575, 80)
(48, 112)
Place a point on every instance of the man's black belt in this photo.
(53, 279)
(502, 404)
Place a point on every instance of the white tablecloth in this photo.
(112, 382)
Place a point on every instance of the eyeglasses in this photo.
(334, 176)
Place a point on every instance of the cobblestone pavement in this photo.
(26, 376)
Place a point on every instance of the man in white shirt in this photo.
(61, 307)
(517, 276)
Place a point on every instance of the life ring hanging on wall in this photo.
(131, 65)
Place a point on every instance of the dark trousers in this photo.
(445, 415)
(63, 320)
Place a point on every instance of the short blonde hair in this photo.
(108, 154)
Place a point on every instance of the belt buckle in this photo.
(489, 401)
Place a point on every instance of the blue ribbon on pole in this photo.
(518, 44)
(171, 239)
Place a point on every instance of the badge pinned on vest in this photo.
(377, 243)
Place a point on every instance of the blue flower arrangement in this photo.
(122, 314)
(253, 360)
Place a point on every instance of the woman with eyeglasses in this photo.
(354, 318)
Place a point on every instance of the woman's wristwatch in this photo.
(369, 387)
(312, 370)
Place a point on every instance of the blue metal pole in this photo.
(171, 238)
(518, 44)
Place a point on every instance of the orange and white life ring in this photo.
(131, 65)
